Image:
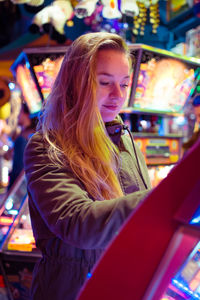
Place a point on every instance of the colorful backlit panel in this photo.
(186, 283)
(159, 150)
(11, 206)
(164, 85)
(158, 173)
(46, 73)
(29, 88)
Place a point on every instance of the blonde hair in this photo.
(71, 122)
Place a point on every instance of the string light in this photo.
(154, 17)
(146, 8)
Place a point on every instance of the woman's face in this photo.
(113, 69)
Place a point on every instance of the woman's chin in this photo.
(109, 117)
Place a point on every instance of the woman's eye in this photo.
(104, 83)
(124, 85)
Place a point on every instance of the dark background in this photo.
(15, 21)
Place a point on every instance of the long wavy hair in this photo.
(71, 121)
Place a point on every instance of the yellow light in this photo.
(70, 23)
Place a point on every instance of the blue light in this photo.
(117, 129)
(9, 204)
(196, 217)
(190, 292)
(113, 30)
(13, 212)
(11, 85)
(185, 289)
(27, 65)
(89, 275)
(195, 220)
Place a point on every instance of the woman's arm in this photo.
(65, 206)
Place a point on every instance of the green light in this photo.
(198, 89)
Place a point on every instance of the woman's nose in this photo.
(116, 91)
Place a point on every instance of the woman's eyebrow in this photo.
(104, 73)
(110, 75)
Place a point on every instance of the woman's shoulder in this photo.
(36, 137)
(36, 152)
(35, 142)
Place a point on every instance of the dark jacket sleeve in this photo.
(66, 208)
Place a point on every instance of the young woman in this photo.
(84, 175)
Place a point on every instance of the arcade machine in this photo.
(35, 71)
(156, 254)
(162, 84)
(18, 252)
(5, 111)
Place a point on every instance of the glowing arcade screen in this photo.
(158, 173)
(164, 84)
(21, 238)
(29, 88)
(186, 283)
(11, 207)
(46, 73)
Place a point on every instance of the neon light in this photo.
(89, 275)
(6, 221)
(185, 288)
(195, 220)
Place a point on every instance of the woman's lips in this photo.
(111, 107)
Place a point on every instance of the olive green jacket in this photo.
(72, 229)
